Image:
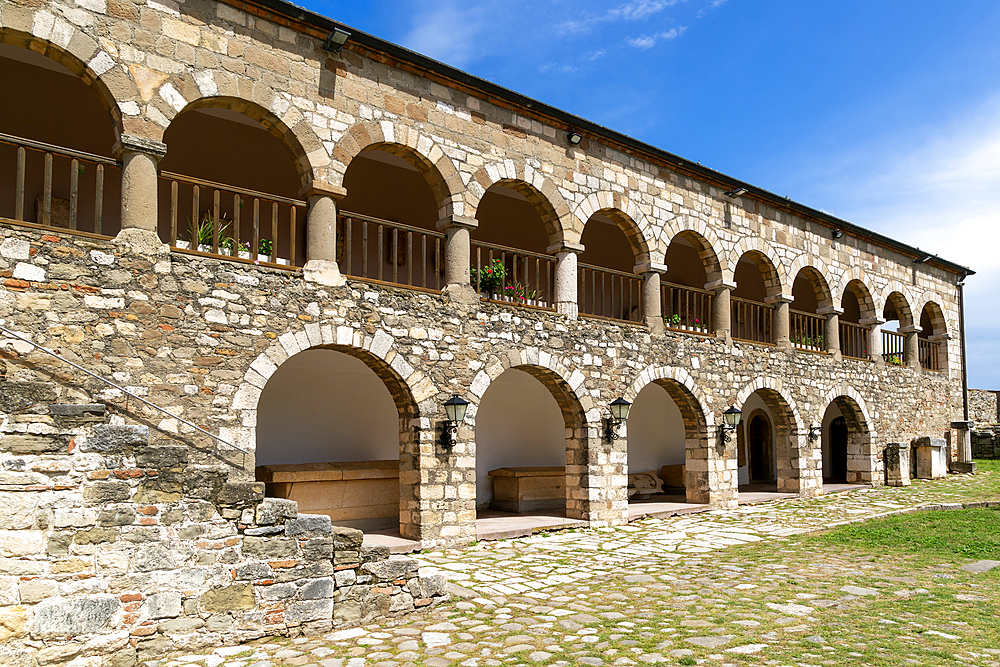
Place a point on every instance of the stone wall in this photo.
(984, 406)
(116, 547)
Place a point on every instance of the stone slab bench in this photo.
(522, 490)
(357, 494)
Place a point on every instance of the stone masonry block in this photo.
(309, 525)
(116, 439)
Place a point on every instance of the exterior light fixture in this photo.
(837, 233)
(619, 413)
(574, 137)
(814, 432)
(738, 192)
(921, 260)
(730, 420)
(454, 410)
(335, 40)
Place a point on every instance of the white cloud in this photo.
(649, 41)
(449, 32)
(630, 11)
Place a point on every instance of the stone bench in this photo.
(356, 494)
(522, 490)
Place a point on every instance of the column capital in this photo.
(963, 425)
(779, 298)
(872, 321)
(461, 221)
(829, 310)
(130, 143)
(565, 246)
(320, 189)
(909, 329)
(716, 285)
(649, 267)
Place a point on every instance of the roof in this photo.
(323, 25)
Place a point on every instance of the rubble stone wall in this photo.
(984, 406)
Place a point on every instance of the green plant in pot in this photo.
(491, 278)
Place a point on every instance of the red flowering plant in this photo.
(491, 278)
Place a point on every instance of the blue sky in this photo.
(884, 113)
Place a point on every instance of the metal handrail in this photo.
(121, 389)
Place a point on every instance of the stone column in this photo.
(722, 312)
(874, 338)
(650, 272)
(897, 464)
(782, 320)
(139, 191)
(321, 234)
(566, 282)
(831, 330)
(911, 348)
(964, 462)
(457, 257)
(942, 339)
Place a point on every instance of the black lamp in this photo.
(730, 420)
(335, 41)
(814, 432)
(574, 137)
(454, 410)
(619, 413)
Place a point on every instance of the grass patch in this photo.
(988, 465)
(964, 534)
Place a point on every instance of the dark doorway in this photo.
(838, 451)
(759, 438)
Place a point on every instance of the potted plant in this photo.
(491, 278)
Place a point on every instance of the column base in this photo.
(568, 308)
(323, 272)
(461, 293)
(655, 325)
(141, 242)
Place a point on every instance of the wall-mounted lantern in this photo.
(730, 420)
(334, 42)
(619, 413)
(574, 137)
(814, 432)
(454, 410)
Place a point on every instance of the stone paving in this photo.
(664, 591)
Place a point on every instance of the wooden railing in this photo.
(806, 330)
(391, 252)
(686, 308)
(853, 340)
(232, 222)
(66, 186)
(515, 276)
(930, 358)
(893, 347)
(609, 293)
(752, 321)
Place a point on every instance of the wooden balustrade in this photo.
(232, 222)
(929, 350)
(806, 330)
(893, 347)
(67, 186)
(752, 321)
(391, 252)
(853, 340)
(686, 308)
(609, 293)
(515, 276)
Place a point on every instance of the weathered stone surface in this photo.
(313, 524)
(228, 598)
(241, 495)
(18, 396)
(270, 548)
(102, 493)
(391, 570)
(316, 589)
(162, 456)
(116, 439)
(347, 539)
(61, 653)
(67, 618)
(981, 566)
(78, 410)
(12, 623)
(276, 510)
(163, 605)
(34, 444)
(309, 610)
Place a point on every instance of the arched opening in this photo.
(806, 327)
(608, 287)
(848, 450)
(388, 219)
(857, 304)
(756, 279)
(896, 314)
(509, 247)
(229, 186)
(933, 339)
(687, 305)
(57, 136)
(527, 431)
(313, 448)
(767, 446)
(667, 447)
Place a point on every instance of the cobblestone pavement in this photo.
(666, 591)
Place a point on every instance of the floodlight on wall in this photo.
(730, 420)
(335, 40)
(738, 192)
(837, 234)
(454, 410)
(619, 413)
(924, 258)
(574, 137)
(815, 432)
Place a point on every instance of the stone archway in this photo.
(863, 465)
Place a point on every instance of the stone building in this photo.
(304, 245)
